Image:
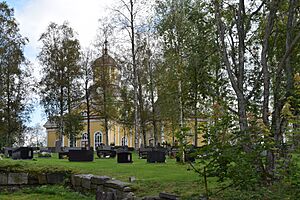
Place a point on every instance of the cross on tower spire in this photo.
(105, 47)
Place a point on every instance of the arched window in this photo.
(84, 140)
(98, 139)
(124, 141)
(72, 141)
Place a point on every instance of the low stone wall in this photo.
(22, 178)
(105, 187)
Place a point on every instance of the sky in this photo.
(34, 16)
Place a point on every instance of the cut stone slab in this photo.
(33, 179)
(105, 196)
(127, 189)
(86, 181)
(17, 178)
(116, 184)
(55, 178)
(129, 196)
(3, 179)
(151, 198)
(42, 178)
(76, 180)
(167, 196)
(97, 187)
(99, 180)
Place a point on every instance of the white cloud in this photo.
(34, 16)
(82, 15)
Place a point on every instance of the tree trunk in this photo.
(135, 85)
(141, 110)
(237, 83)
(152, 103)
(105, 112)
(61, 115)
(87, 98)
(264, 63)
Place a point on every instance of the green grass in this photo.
(45, 192)
(151, 178)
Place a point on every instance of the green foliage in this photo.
(73, 124)
(14, 79)
(60, 88)
(170, 176)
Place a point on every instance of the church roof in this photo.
(105, 60)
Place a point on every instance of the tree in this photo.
(128, 19)
(14, 79)
(35, 136)
(60, 91)
(86, 67)
(248, 56)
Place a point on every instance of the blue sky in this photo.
(34, 16)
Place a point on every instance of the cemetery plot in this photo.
(22, 153)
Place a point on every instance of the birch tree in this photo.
(60, 92)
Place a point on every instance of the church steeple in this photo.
(105, 47)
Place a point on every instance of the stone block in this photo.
(86, 181)
(33, 179)
(116, 184)
(17, 178)
(127, 189)
(132, 179)
(99, 180)
(167, 196)
(100, 188)
(151, 198)
(55, 178)
(42, 179)
(76, 180)
(129, 196)
(3, 179)
(105, 196)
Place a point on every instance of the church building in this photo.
(117, 133)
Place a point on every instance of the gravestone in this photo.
(156, 155)
(22, 153)
(143, 152)
(58, 145)
(8, 152)
(104, 151)
(81, 155)
(124, 157)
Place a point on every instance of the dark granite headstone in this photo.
(22, 153)
(143, 152)
(81, 155)
(124, 157)
(156, 155)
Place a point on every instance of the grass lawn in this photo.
(45, 192)
(150, 178)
